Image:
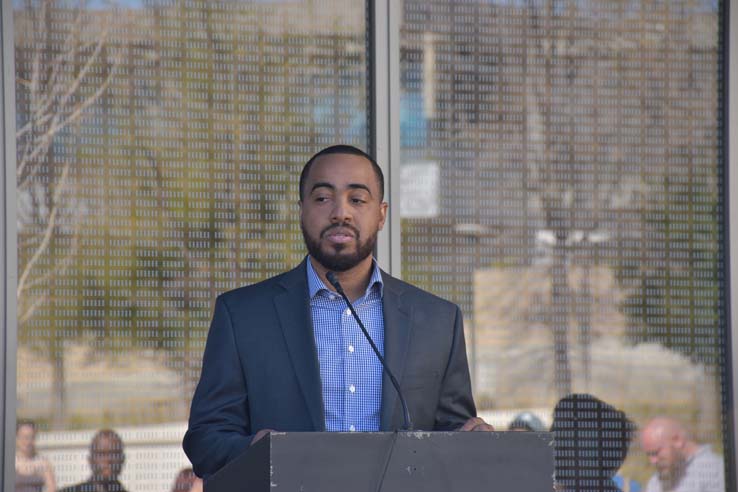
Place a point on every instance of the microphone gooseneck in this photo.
(333, 279)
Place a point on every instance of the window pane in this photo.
(159, 144)
(562, 181)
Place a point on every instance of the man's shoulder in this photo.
(707, 458)
(267, 287)
(706, 471)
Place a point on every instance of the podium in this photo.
(391, 462)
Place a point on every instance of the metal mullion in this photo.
(730, 136)
(384, 124)
(8, 249)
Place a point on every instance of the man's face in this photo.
(664, 453)
(341, 211)
(106, 458)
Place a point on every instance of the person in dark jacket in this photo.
(591, 441)
(106, 462)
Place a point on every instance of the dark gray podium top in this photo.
(403, 461)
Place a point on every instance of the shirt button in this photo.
(352, 388)
(347, 312)
(332, 297)
(352, 428)
(351, 348)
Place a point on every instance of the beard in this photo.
(672, 475)
(339, 260)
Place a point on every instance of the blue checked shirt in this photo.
(351, 374)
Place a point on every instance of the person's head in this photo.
(526, 421)
(342, 206)
(591, 441)
(187, 481)
(25, 437)
(106, 455)
(667, 444)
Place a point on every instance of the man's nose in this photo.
(341, 212)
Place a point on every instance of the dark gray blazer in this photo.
(260, 368)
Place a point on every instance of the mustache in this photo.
(340, 226)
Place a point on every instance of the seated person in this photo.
(106, 462)
(591, 440)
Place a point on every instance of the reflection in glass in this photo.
(158, 148)
(574, 205)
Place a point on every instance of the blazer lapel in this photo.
(397, 331)
(293, 310)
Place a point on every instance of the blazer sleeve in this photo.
(455, 403)
(219, 427)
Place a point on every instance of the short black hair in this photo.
(575, 417)
(342, 149)
(108, 434)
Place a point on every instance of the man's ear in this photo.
(383, 207)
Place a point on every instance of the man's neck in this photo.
(354, 280)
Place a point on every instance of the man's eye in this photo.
(358, 200)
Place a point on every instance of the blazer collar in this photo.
(293, 309)
(397, 332)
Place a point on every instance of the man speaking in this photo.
(287, 354)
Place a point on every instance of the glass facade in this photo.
(159, 146)
(562, 179)
(571, 201)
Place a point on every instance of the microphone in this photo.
(333, 279)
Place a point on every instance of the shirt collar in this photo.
(705, 448)
(316, 285)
